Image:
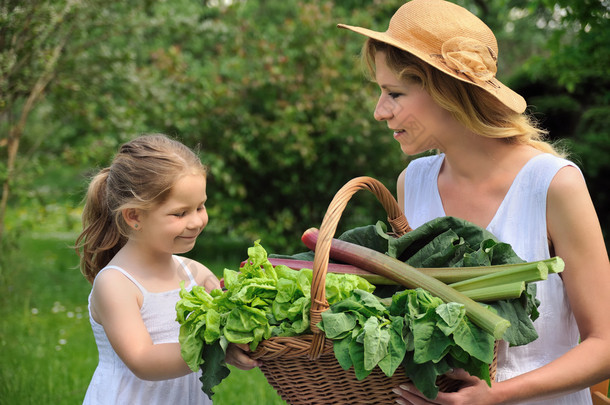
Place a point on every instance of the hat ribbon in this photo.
(470, 57)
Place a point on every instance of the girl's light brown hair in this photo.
(141, 176)
(472, 106)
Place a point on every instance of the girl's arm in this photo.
(116, 304)
(203, 276)
(236, 354)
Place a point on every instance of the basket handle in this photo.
(397, 221)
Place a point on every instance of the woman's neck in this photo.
(474, 158)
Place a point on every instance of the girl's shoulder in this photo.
(113, 276)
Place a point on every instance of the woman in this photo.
(436, 68)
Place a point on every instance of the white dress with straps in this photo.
(521, 222)
(113, 383)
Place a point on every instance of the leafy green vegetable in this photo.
(417, 330)
(412, 328)
(260, 301)
(453, 242)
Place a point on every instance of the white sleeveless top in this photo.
(114, 384)
(521, 222)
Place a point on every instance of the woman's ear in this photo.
(132, 218)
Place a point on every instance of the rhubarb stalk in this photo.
(408, 276)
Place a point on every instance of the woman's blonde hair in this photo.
(141, 176)
(472, 106)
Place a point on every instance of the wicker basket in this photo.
(303, 369)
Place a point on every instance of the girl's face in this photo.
(173, 226)
(408, 110)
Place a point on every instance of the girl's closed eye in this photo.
(394, 94)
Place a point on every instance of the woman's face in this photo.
(408, 109)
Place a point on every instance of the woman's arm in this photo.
(576, 237)
(400, 190)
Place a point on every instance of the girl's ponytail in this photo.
(100, 239)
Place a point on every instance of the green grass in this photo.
(47, 351)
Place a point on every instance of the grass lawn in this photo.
(47, 351)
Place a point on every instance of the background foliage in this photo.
(272, 93)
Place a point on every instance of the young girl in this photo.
(140, 212)
(436, 68)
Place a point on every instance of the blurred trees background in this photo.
(270, 91)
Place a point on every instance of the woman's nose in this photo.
(383, 109)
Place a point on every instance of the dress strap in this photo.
(186, 269)
(129, 276)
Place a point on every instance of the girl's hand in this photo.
(474, 391)
(236, 356)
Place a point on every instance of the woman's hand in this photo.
(474, 391)
(236, 356)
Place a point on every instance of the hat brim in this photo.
(503, 93)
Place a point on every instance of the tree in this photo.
(32, 38)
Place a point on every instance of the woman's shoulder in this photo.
(426, 159)
(427, 165)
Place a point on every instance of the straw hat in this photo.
(451, 39)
